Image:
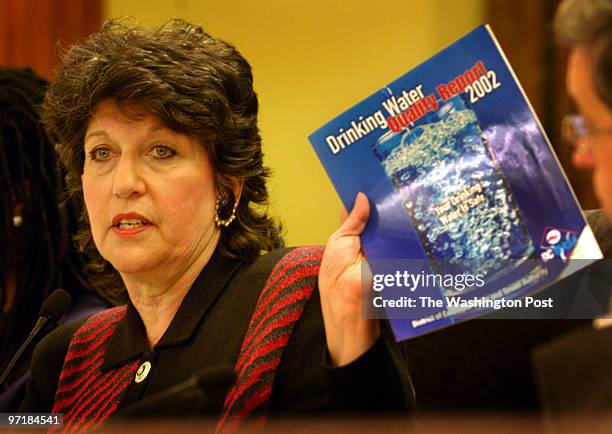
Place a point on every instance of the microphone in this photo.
(53, 308)
(200, 395)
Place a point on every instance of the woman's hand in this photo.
(340, 278)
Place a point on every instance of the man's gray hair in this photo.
(589, 22)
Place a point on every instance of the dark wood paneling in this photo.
(31, 29)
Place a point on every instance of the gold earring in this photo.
(223, 216)
(18, 215)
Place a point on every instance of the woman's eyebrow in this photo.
(97, 133)
(157, 128)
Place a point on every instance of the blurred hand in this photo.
(340, 279)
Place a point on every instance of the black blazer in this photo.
(207, 332)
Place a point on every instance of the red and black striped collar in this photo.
(129, 341)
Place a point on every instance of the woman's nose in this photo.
(128, 180)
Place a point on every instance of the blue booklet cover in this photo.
(470, 210)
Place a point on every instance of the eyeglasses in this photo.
(576, 132)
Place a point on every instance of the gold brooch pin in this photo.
(142, 372)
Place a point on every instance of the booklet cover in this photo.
(470, 210)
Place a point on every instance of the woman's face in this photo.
(150, 194)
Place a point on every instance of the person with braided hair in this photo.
(36, 228)
(157, 129)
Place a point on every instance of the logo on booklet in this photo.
(557, 243)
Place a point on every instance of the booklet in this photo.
(470, 209)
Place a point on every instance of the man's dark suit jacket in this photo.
(574, 371)
(484, 365)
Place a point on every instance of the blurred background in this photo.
(314, 59)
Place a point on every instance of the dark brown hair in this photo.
(196, 85)
(590, 22)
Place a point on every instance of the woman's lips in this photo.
(129, 224)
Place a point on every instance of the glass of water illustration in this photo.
(455, 193)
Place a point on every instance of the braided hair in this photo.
(35, 227)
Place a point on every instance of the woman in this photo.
(158, 130)
(37, 255)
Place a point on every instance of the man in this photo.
(574, 371)
(586, 27)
